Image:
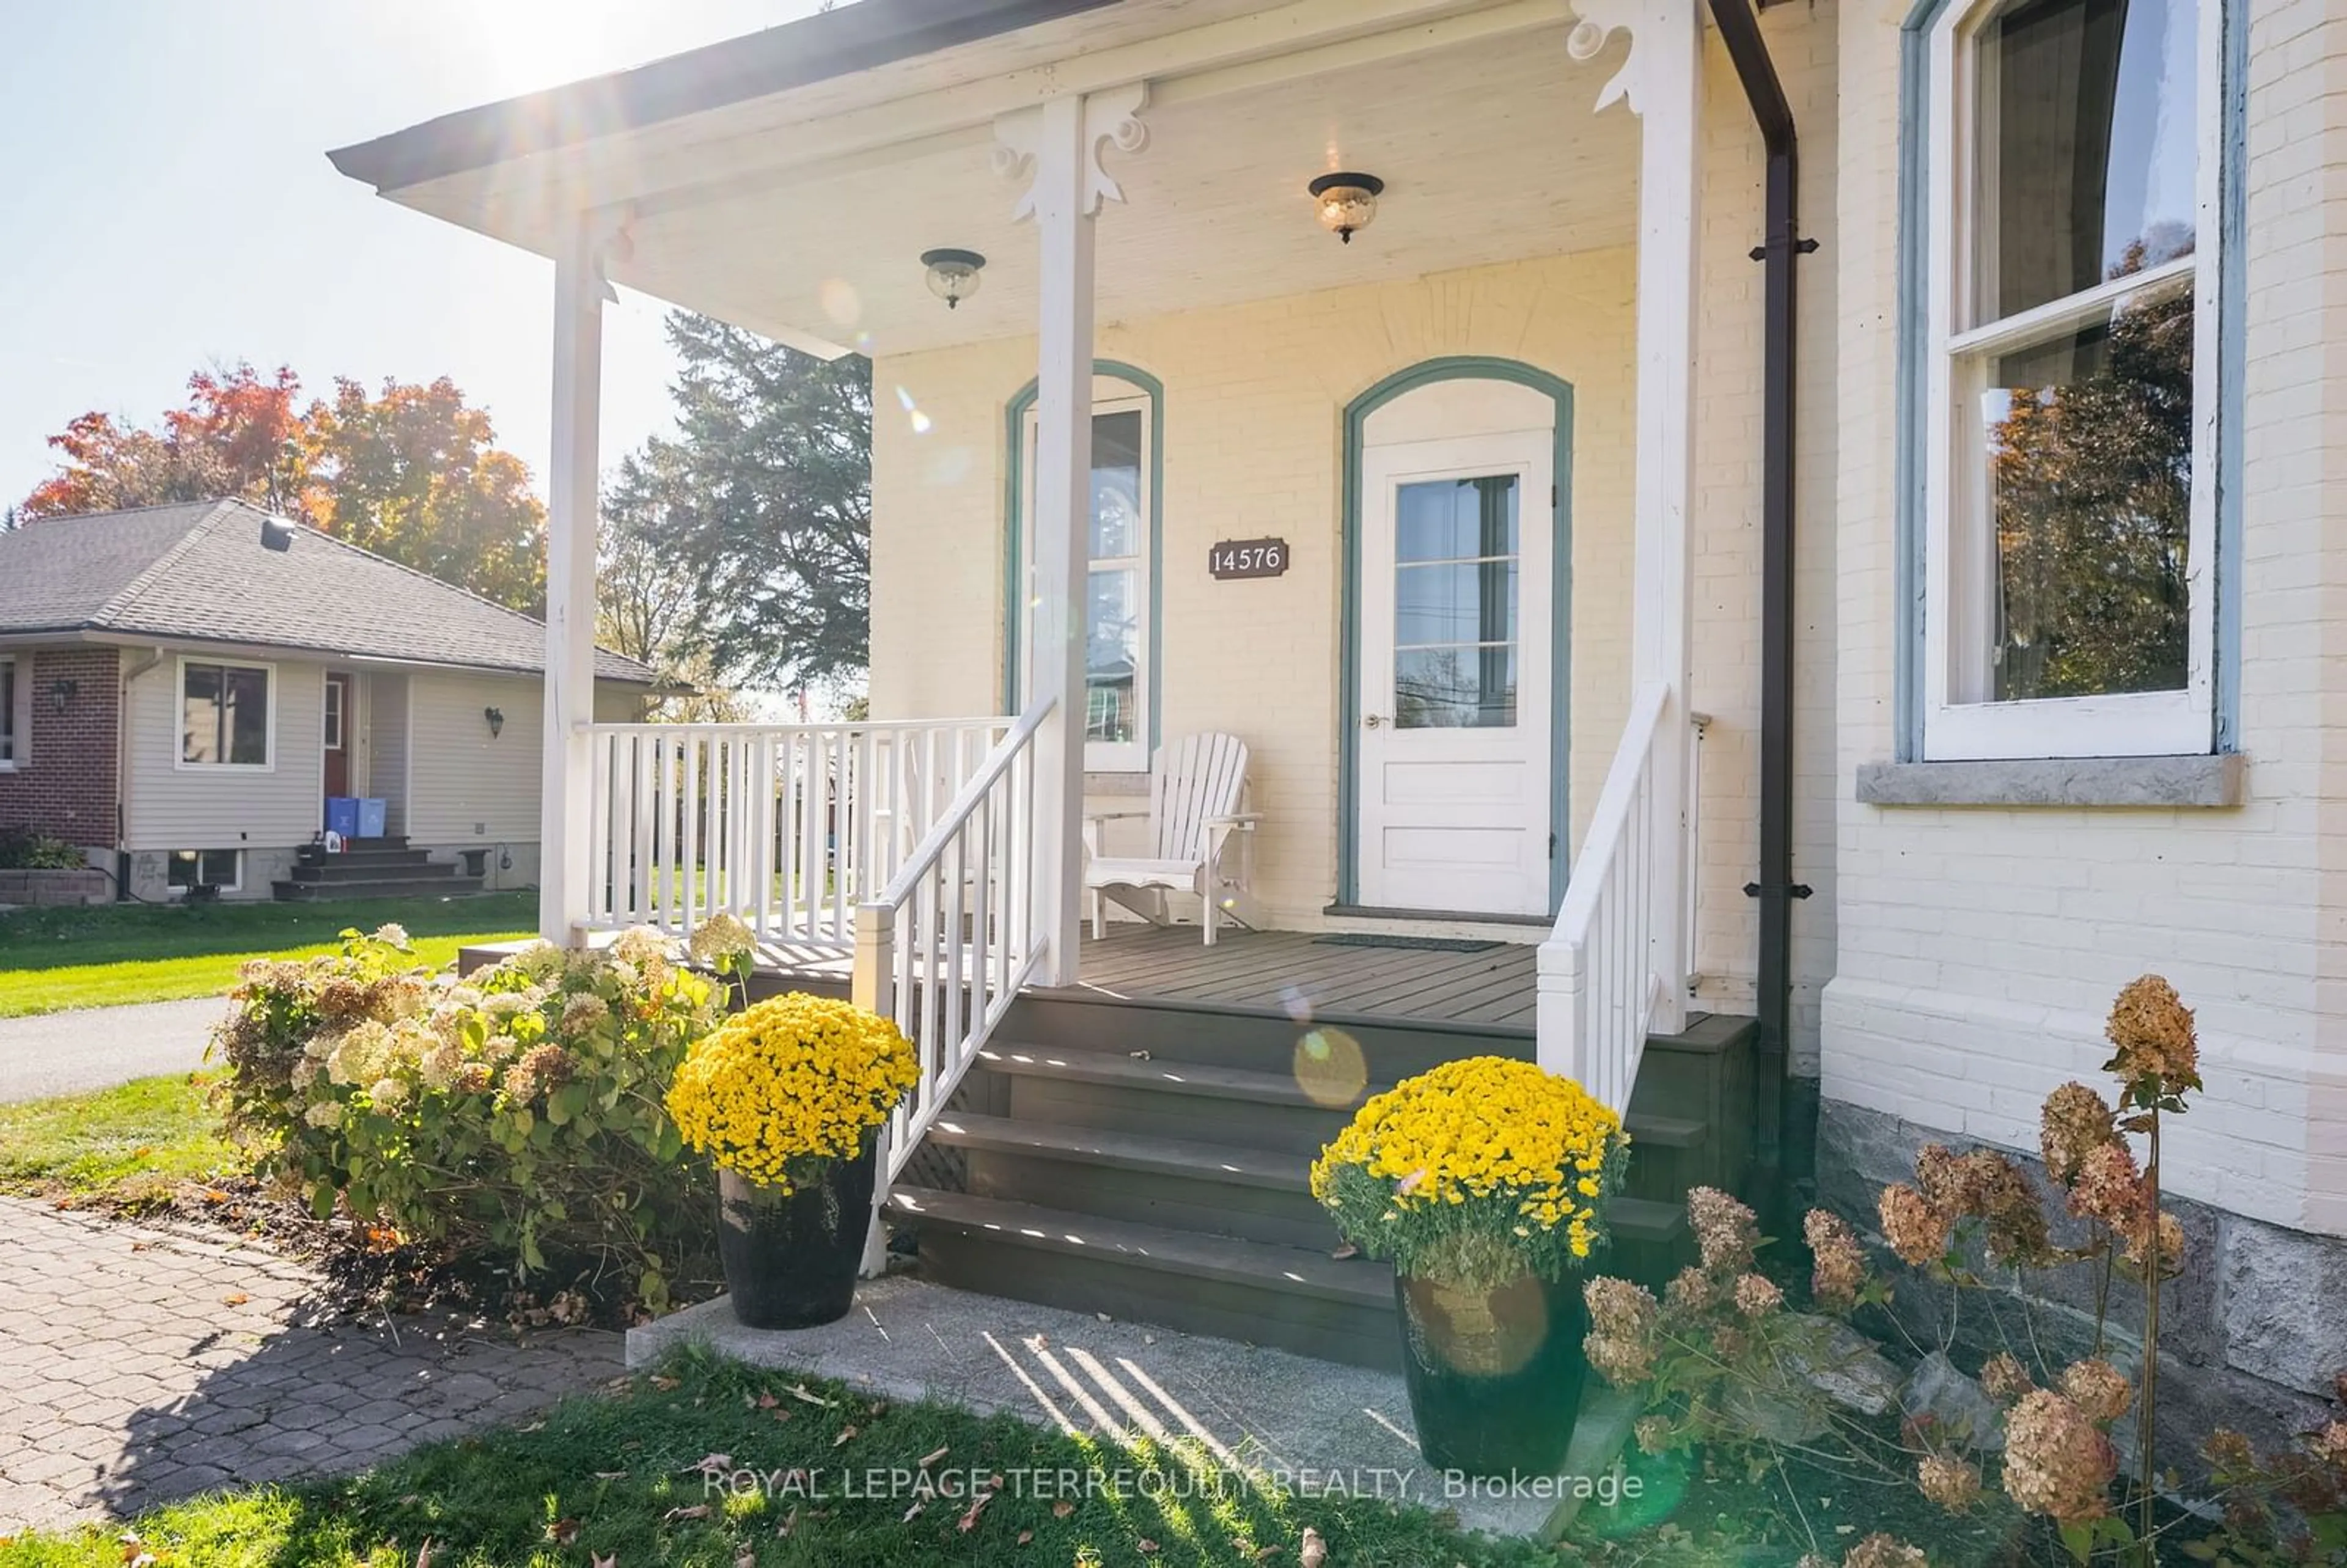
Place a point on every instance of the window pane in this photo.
(2088, 148)
(1455, 688)
(219, 867)
(1112, 656)
(1456, 519)
(1455, 601)
(200, 717)
(1116, 485)
(7, 711)
(2089, 473)
(182, 870)
(247, 729)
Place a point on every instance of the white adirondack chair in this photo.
(1200, 839)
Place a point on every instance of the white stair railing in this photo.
(945, 947)
(1598, 983)
(787, 826)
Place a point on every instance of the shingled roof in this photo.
(198, 571)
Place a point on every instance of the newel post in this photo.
(566, 857)
(871, 984)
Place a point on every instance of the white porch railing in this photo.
(787, 826)
(1598, 982)
(945, 947)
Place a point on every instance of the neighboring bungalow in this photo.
(183, 687)
(1408, 388)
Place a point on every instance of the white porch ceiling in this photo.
(1489, 151)
(1489, 148)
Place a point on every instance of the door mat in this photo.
(1412, 944)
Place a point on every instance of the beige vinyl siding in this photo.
(172, 807)
(464, 786)
(386, 717)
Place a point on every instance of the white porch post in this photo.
(1663, 82)
(565, 859)
(1060, 138)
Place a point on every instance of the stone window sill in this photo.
(2148, 782)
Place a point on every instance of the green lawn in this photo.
(112, 953)
(613, 1478)
(130, 1145)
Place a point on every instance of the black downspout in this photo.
(1785, 1147)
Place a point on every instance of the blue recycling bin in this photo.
(370, 817)
(343, 814)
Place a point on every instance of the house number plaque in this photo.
(1247, 558)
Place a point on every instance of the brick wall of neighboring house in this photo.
(66, 783)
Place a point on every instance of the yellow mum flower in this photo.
(792, 1078)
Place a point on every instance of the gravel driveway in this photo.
(90, 1047)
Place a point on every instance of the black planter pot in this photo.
(791, 1257)
(1495, 1376)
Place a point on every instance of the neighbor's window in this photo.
(2069, 606)
(224, 719)
(7, 712)
(222, 868)
(1116, 630)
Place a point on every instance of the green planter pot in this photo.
(791, 1257)
(1495, 1376)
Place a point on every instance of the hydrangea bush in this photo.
(516, 1115)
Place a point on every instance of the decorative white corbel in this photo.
(1600, 19)
(1111, 116)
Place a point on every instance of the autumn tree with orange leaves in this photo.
(412, 473)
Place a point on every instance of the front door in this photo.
(337, 735)
(1456, 662)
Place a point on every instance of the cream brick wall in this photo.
(1979, 949)
(1255, 401)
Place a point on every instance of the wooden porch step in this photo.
(1297, 1299)
(1173, 1157)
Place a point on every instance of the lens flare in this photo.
(1329, 1067)
(921, 423)
(840, 301)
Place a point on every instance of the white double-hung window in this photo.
(2072, 161)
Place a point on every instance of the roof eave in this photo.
(816, 48)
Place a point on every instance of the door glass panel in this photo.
(1456, 519)
(1112, 656)
(1457, 688)
(1455, 590)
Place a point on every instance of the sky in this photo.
(166, 204)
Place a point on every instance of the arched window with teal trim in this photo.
(1122, 636)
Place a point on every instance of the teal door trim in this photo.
(1456, 367)
(1014, 419)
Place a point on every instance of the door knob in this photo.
(1374, 720)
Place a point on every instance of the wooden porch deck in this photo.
(1295, 972)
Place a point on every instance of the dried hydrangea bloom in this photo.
(2073, 1124)
(1690, 1290)
(2171, 1245)
(2098, 1389)
(1654, 1434)
(1998, 1192)
(2229, 1452)
(2005, 1379)
(1941, 1177)
(584, 1012)
(1916, 1229)
(2057, 1463)
(1621, 1342)
(2111, 1190)
(1757, 1295)
(2154, 1036)
(472, 1078)
(720, 938)
(541, 1068)
(1841, 1263)
(1882, 1551)
(1725, 1230)
(639, 945)
(1949, 1482)
(2330, 1444)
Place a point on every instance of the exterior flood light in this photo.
(1348, 202)
(953, 274)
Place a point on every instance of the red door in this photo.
(337, 737)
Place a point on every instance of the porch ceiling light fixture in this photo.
(953, 274)
(1347, 201)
